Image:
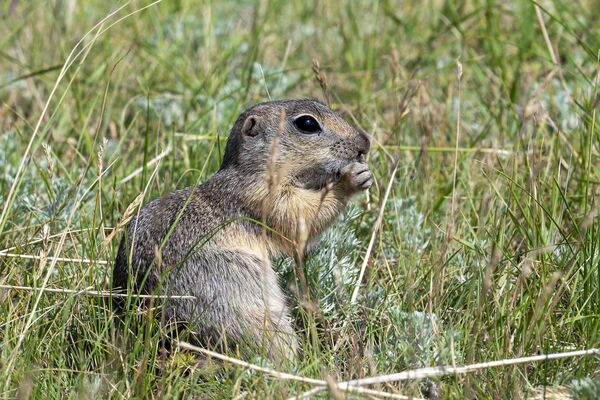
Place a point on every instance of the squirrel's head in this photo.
(306, 142)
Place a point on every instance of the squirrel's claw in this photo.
(356, 176)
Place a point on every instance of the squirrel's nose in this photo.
(363, 144)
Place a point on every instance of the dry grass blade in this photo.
(540, 18)
(286, 376)
(431, 372)
(94, 293)
(235, 361)
(364, 391)
(459, 72)
(403, 109)
(371, 245)
(139, 170)
(58, 259)
(72, 231)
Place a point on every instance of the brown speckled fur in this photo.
(294, 182)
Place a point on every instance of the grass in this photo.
(489, 243)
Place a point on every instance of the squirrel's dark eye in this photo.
(307, 124)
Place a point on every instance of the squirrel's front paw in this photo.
(356, 176)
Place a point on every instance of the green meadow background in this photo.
(479, 241)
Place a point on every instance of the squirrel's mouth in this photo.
(319, 176)
(322, 175)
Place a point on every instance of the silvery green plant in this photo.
(585, 389)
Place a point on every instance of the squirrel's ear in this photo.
(251, 126)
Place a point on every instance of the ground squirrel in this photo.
(288, 170)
